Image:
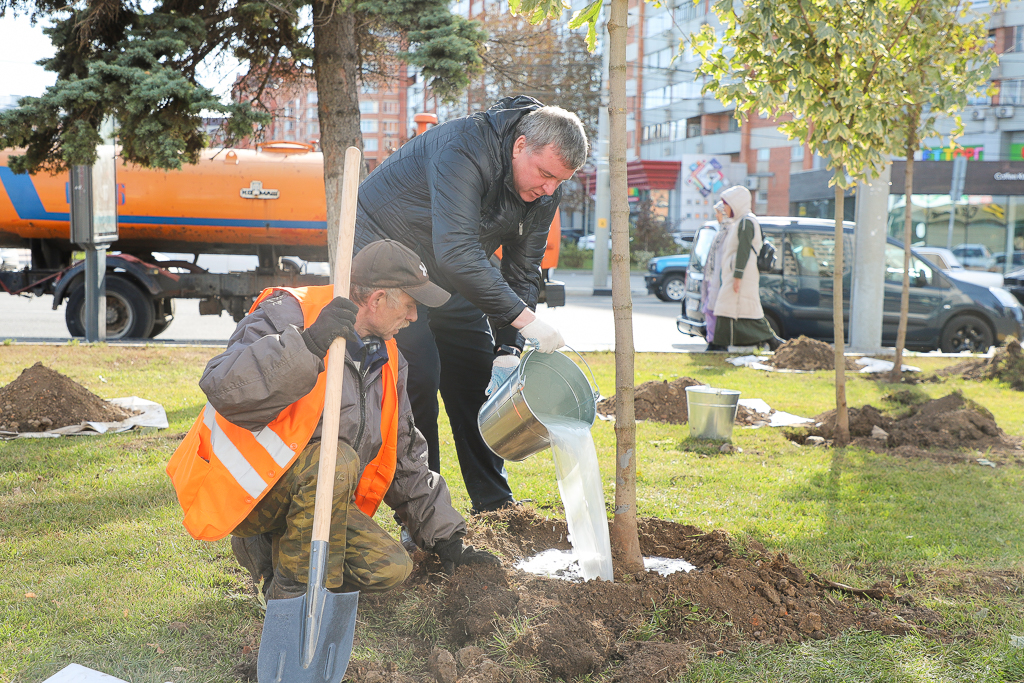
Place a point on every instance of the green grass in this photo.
(91, 528)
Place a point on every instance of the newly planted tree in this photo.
(830, 66)
(945, 58)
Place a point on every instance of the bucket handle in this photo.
(594, 387)
(593, 384)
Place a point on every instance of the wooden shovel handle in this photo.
(336, 358)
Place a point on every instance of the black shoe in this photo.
(501, 505)
(775, 342)
(716, 347)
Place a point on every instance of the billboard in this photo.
(703, 179)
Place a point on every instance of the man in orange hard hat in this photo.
(248, 467)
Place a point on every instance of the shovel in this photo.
(309, 639)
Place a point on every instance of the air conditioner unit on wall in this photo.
(1005, 112)
(977, 115)
(752, 183)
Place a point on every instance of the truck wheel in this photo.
(966, 332)
(129, 311)
(672, 288)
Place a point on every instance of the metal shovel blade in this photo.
(320, 656)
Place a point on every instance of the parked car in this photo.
(572, 235)
(666, 276)
(973, 256)
(999, 260)
(1014, 283)
(588, 241)
(947, 262)
(945, 313)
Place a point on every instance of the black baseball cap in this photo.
(387, 263)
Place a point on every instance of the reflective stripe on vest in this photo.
(220, 471)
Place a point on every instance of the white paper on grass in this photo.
(152, 415)
(76, 673)
(868, 365)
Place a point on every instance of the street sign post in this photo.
(94, 228)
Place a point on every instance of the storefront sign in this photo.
(1008, 176)
(949, 153)
(1016, 153)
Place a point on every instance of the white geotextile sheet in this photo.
(76, 673)
(778, 418)
(871, 365)
(150, 414)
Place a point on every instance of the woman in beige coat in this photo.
(740, 318)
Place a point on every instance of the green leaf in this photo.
(589, 16)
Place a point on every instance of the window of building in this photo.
(370, 145)
(1016, 41)
(762, 196)
(312, 128)
(764, 154)
(288, 112)
(389, 126)
(796, 153)
(389, 107)
(368, 106)
(369, 89)
(312, 98)
(368, 126)
(1011, 92)
(289, 126)
(312, 113)
(658, 23)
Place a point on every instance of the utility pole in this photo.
(602, 205)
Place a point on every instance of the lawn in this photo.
(98, 569)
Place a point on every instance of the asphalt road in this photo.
(586, 321)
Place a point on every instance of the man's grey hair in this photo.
(558, 127)
(360, 294)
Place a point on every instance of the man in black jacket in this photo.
(454, 195)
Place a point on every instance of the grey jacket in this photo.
(267, 367)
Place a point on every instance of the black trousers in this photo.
(451, 348)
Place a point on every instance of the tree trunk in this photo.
(913, 118)
(625, 542)
(842, 435)
(336, 59)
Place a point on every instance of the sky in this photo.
(22, 44)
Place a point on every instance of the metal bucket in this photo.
(711, 412)
(545, 386)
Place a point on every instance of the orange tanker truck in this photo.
(267, 202)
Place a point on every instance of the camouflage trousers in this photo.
(373, 560)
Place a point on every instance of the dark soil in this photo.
(644, 627)
(941, 428)
(41, 399)
(1006, 364)
(804, 353)
(658, 401)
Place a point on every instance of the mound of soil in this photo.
(1006, 364)
(804, 353)
(948, 424)
(659, 401)
(41, 399)
(643, 627)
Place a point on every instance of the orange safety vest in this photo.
(221, 471)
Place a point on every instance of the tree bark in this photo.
(336, 60)
(842, 433)
(913, 119)
(625, 541)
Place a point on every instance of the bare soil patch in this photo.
(941, 429)
(642, 627)
(804, 353)
(1006, 364)
(665, 401)
(41, 399)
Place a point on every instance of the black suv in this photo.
(944, 313)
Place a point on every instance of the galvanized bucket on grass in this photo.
(544, 386)
(711, 412)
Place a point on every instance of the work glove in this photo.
(337, 319)
(453, 553)
(502, 367)
(546, 338)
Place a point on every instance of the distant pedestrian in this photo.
(739, 318)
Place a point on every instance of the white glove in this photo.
(543, 336)
(501, 369)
